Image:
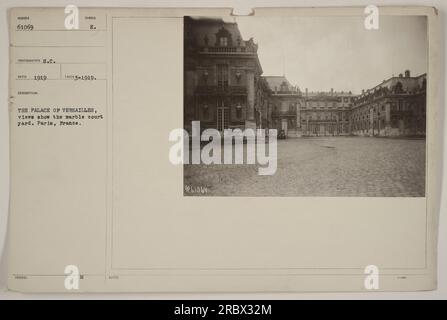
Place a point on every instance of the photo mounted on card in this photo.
(194, 150)
(294, 113)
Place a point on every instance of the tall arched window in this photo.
(222, 75)
(239, 111)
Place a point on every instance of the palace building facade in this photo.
(396, 107)
(326, 113)
(284, 104)
(224, 89)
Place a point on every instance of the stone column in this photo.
(250, 121)
(298, 120)
(350, 124)
(387, 118)
(337, 124)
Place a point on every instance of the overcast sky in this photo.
(321, 53)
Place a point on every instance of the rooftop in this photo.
(205, 32)
(405, 82)
(280, 84)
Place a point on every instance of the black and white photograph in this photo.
(305, 106)
(236, 151)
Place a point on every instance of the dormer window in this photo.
(223, 42)
(223, 38)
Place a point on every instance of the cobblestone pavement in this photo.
(329, 166)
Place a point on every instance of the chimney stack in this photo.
(407, 73)
(307, 91)
(332, 91)
(401, 75)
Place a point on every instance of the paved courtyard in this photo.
(326, 166)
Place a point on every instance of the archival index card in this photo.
(166, 150)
